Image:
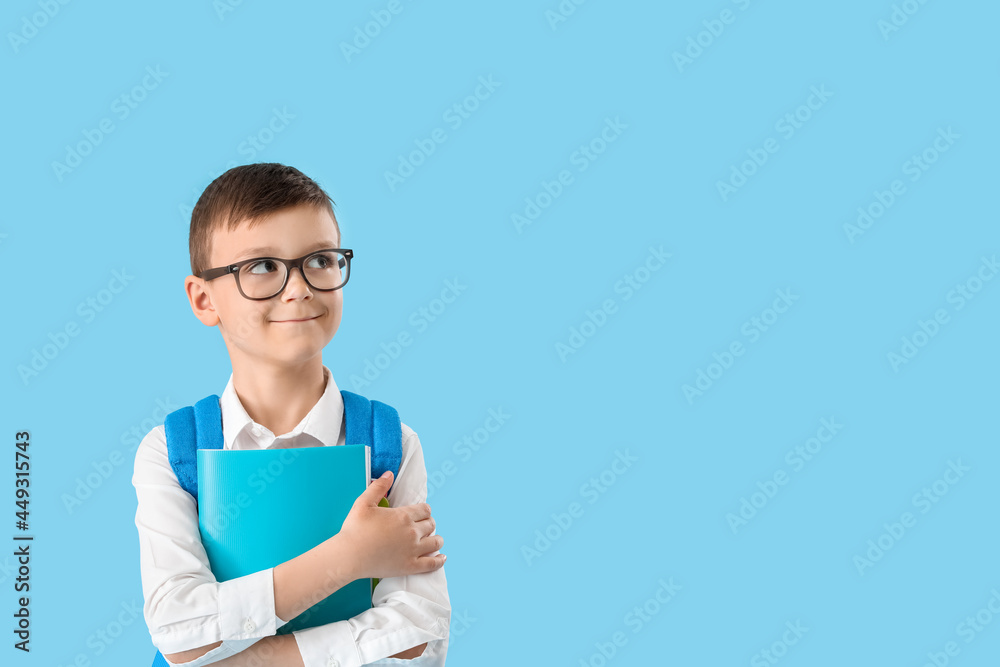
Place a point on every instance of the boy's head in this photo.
(257, 211)
(245, 195)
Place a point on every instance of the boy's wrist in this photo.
(340, 562)
(306, 579)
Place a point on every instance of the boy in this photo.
(275, 322)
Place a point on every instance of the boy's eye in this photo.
(322, 261)
(261, 267)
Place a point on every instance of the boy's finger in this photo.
(430, 563)
(431, 543)
(419, 511)
(425, 526)
(377, 489)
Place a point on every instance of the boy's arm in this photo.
(410, 615)
(193, 619)
(178, 584)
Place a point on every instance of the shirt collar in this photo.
(322, 425)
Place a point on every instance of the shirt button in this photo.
(255, 431)
(333, 662)
(249, 626)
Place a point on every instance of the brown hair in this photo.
(249, 193)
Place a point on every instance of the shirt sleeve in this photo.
(406, 611)
(184, 606)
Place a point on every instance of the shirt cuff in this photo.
(330, 645)
(433, 656)
(246, 606)
(216, 654)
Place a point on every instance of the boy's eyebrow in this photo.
(268, 251)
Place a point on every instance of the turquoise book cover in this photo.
(693, 306)
(260, 508)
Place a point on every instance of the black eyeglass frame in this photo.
(345, 261)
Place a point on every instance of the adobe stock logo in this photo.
(593, 490)
(787, 125)
(969, 629)
(637, 619)
(363, 35)
(420, 319)
(107, 634)
(455, 116)
(899, 17)
(924, 500)
(122, 107)
(37, 21)
(466, 448)
(254, 143)
(779, 648)
(915, 167)
(60, 340)
(797, 458)
(627, 286)
(753, 329)
(714, 28)
(223, 7)
(927, 330)
(562, 12)
(102, 469)
(582, 158)
(259, 481)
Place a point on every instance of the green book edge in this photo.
(384, 502)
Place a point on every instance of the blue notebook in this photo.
(260, 508)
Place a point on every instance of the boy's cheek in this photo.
(245, 327)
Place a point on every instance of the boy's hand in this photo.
(390, 541)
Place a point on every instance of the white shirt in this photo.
(185, 607)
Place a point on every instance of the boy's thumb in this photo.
(379, 487)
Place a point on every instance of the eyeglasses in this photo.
(263, 278)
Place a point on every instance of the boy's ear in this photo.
(201, 301)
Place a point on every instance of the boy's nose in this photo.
(296, 286)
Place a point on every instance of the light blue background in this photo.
(127, 207)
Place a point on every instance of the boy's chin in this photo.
(294, 360)
(282, 350)
(295, 352)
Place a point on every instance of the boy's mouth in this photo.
(305, 319)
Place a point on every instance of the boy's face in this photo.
(286, 330)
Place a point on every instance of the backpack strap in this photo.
(189, 429)
(377, 425)
(186, 430)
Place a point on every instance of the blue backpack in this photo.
(191, 428)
